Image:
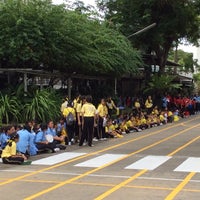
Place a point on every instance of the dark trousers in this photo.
(70, 132)
(50, 146)
(88, 130)
(13, 160)
(101, 128)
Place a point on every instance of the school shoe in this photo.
(91, 145)
(72, 140)
(95, 139)
(56, 149)
(104, 138)
(27, 162)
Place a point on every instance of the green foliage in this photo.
(184, 59)
(37, 33)
(41, 105)
(196, 78)
(162, 84)
(44, 105)
(10, 109)
(174, 20)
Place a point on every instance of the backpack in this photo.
(70, 119)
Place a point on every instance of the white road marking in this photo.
(100, 175)
(149, 162)
(100, 160)
(192, 164)
(52, 160)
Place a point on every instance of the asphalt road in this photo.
(158, 163)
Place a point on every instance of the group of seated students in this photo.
(18, 143)
(30, 140)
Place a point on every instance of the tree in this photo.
(184, 59)
(174, 20)
(196, 78)
(159, 85)
(37, 34)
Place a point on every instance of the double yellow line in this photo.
(107, 193)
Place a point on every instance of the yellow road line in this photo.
(180, 186)
(90, 154)
(122, 184)
(106, 165)
(184, 146)
(107, 193)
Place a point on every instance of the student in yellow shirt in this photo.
(137, 106)
(155, 111)
(111, 106)
(123, 127)
(9, 153)
(144, 124)
(70, 116)
(102, 115)
(170, 117)
(162, 118)
(149, 104)
(111, 129)
(88, 111)
(79, 120)
(132, 125)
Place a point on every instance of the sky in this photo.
(91, 2)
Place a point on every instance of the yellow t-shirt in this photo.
(138, 122)
(137, 104)
(78, 107)
(88, 110)
(68, 110)
(162, 118)
(143, 121)
(9, 151)
(170, 113)
(148, 103)
(110, 128)
(123, 127)
(129, 123)
(75, 103)
(102, 110)
(111, 104)
(155, 111)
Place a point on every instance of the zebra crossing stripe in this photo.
(149, 162)
(100, 160)
(52, 160)
(192, 164)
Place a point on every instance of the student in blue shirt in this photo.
(5, 135)
(26, 143)
(41, 142)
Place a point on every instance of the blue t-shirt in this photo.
(3, 139)
(40, 137)
(51, 131)
(26, 142)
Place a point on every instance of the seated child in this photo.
(163, 120)
(132, 125)
(9, 153)
(41, 141)
(144, 124)
(111, 129)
